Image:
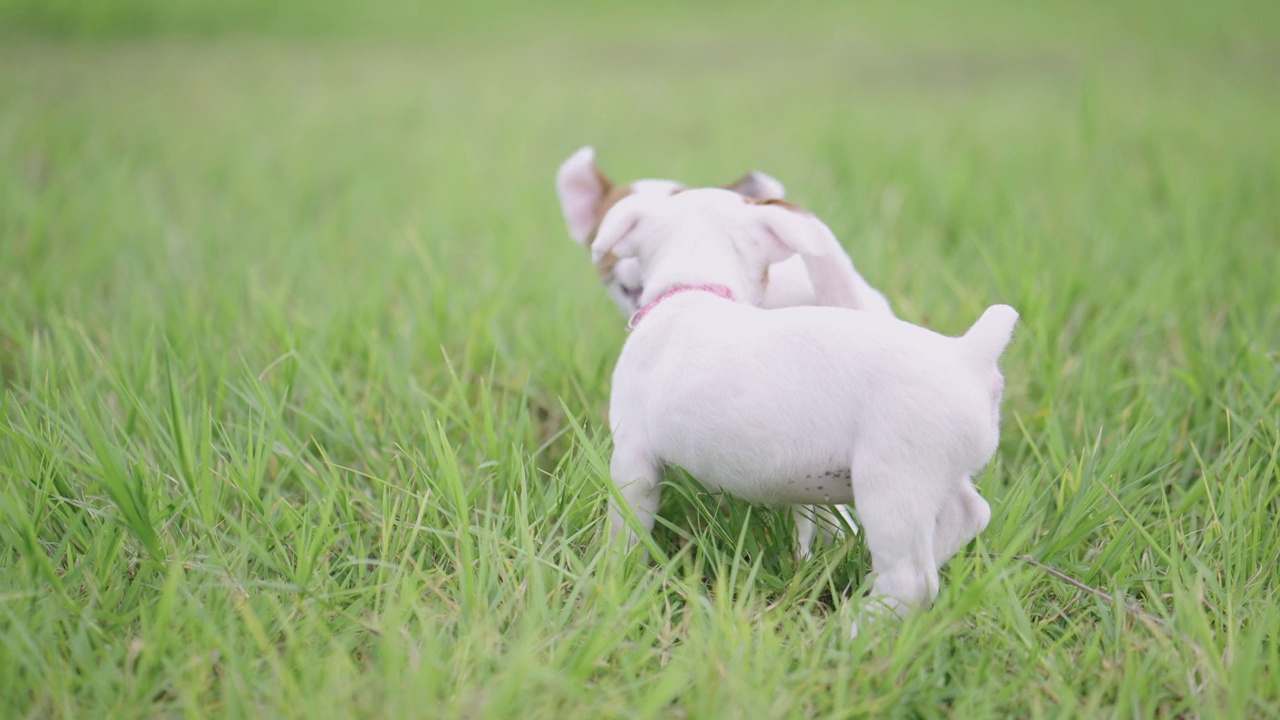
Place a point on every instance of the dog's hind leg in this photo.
(638, 477)
(896, 506)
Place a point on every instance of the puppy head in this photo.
(708, 235)
(587, 194)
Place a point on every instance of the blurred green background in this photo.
(293, 341)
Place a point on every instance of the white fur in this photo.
(811, 405)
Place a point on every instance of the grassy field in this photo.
(304, 385)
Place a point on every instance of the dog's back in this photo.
(771, 386)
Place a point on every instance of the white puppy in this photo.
(798, 405)
(587, 194)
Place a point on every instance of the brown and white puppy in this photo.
(586, 194)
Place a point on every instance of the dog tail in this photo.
(990, 335)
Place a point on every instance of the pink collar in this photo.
(720, 290)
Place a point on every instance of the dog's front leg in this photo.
(962, 516)
(810, 519)
(638, 476)
(834, 521)
(806, 525)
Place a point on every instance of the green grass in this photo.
(304, 385)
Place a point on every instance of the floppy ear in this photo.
(792, 229)
(616, 235)
(582, 188)
(758, 186)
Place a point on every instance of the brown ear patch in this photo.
(603, 179)
(777, 202)
(606, 265)
(611, 197)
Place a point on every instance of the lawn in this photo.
(305, 386)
